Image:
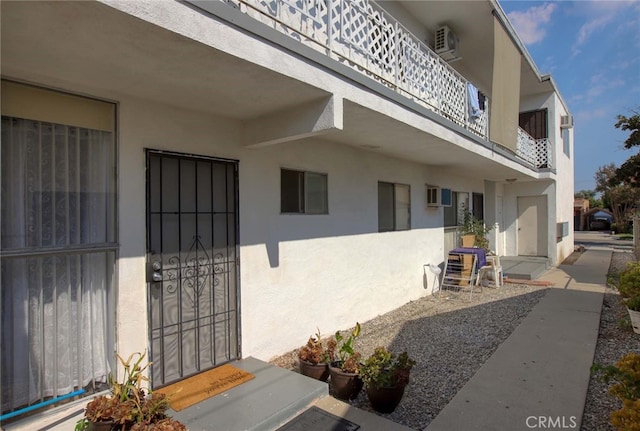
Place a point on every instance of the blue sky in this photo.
(592, 50)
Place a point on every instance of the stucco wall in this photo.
(298, 272)
(561, 197)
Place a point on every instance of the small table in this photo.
(481, 254)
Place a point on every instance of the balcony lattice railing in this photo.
(360, 34)
(535, 151)
(363, 36)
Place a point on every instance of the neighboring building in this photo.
(580, 208)
(215, 180)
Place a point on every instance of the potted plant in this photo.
(385, 377)
(129, 406)
(345, 382)
(313, 359)
(473, 232)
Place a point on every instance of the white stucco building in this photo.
(201, 178)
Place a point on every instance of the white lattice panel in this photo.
(543, 153)
(526, 148)
(363, 36)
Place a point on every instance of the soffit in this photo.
(108, 52)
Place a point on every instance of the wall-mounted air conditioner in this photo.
(566, 121)
(446, 43)
(437, 197)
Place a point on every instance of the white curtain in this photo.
(58, 191)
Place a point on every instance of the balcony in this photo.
(537, 152)
(363, 36)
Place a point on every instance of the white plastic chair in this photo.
(493, 268)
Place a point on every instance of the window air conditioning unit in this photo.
(566, 121)
(446, 43)
(437, 197)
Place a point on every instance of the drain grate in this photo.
(316, 419)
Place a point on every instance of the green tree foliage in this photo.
(629, 171)
(621, 199)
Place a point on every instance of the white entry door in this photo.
(532, 226)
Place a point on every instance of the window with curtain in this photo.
(394, 207)
(58, 243)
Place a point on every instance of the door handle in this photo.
(154, 271)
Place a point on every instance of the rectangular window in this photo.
(566, 142)
(303, 192)
(478, 206)
(534, 123)
(394, 207)
(451, 212)
(58, 237)
(454, 214)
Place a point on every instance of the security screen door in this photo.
(192, 270)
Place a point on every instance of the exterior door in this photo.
(532, 226)
(192, 264)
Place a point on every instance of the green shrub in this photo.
(633, 303)
(629, 280)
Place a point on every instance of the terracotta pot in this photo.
(635, 320)
(101, 426)
(344, 386)
(385, 399)
(315, 371)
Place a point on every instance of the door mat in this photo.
(197, 388)
(316, 419)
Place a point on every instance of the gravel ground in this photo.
(451, 338)
(616, 338)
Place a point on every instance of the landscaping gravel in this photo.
(616, 338)
(451, 337)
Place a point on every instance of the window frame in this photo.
(396, 208)
(303, 194)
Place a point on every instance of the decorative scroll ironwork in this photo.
(360, 34)
(196, 271)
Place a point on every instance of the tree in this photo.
(621, 199)
(629, 171)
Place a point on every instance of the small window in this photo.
(394, 207)
(454, 214)
(566, 142)
(303, 192)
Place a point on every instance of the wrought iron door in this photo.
(192, 271)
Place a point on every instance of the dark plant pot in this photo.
(315, 371)
(386, 399)
(344, 386)
(101, 426)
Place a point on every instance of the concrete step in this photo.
(266, 402)
(523, 267)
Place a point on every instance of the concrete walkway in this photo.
(538, 378)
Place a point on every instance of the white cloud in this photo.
(530, 24)
(591, 26)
